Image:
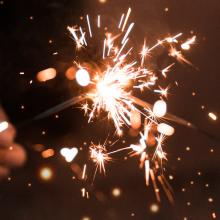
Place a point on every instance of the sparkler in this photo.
(109, 87)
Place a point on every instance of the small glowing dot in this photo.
(21, 73)
(82, 77)
(199, 173)
(9, 178)
(178, 158)
(210, 199)
(50, 41)
(183, 190)
(188, 203)
(1, 2)
(43, 132)
(193, 93)
(191, 182)
(212, 150)
(187, 148)
(185, 218)
(202, 107)
(171, 177)
(11, 148)
(166, 9)
(22, 107)
(31, 17)
(29, 184)
(116, 192)
(132, 214)
(56, 116)
(46, 173)
(154, 208)
(206, 185)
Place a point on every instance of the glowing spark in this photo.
(46, 173)
(161, 91)
(127, 32)
(166, 70)
(99, 156)
(188, 43)
(144, 53)
(89, 26)
(99, 21)
(126, 19)
(178, 55)
(84, 172)
(120, 23)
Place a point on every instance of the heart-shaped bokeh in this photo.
(69, 153)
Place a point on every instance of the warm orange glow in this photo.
(46, 75)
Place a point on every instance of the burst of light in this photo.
(3, 126)
(82, 77)
(160, 108)
(111, 85)
(69, 154)
(46, 173)
(99, 156)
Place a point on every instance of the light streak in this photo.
(126, 19)
(89, 26)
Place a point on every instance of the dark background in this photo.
(25, 30)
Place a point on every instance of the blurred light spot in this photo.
(135, 119)
(82, 77)
(214, 215)
(171, 177)
(165, 129)
(210, 199)
(166, 9)
(47, 153)
(116, 192)
(69, 154)
(160, 108)
(21, 73)
(46, 173)
(86, 218)
(212, 116)
(102, 1)
(154, 208)
(46, 75)
(3, 126)
(38, 147)
(70, 73)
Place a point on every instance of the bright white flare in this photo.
(160, 108)
(82, 77)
